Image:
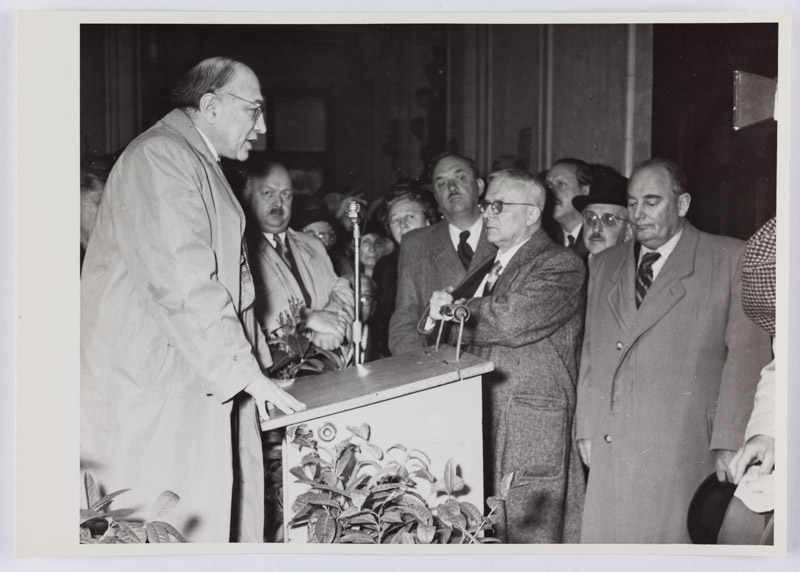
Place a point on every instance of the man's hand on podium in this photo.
(265, 389)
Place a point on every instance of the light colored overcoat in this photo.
(428, 262)
(662, 386)
(275, 283)
(530, 327)
(164, 350)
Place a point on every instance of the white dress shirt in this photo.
(664, 250)
(474, 234)
(503, 258)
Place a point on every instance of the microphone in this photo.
(353, 209)
(455, 311)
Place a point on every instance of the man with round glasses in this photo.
(526, 306)
(172, 359)
(604, 210)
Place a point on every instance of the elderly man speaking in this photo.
(526, 309)
(171, 357)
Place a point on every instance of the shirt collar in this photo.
(665, 249)
(474, 234)
(208, 143)
(270, 237)
(506, 256)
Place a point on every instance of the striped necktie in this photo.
(644, 275)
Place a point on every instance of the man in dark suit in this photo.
(569, 178)
(439, 255)
(526, 309)
(669, 367)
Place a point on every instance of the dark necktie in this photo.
(286, 255)
(570, 241)
(497, 268)
(247, 290)
(644, 276)
(465, 252)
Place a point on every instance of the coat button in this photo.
(619, 346)
(607, 438)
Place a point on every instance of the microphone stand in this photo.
(352, 213)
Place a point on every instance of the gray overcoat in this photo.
(531, 327)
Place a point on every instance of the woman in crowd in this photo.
(407, 208)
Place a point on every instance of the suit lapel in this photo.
(667, 289)
(621, 297)
(445, 258)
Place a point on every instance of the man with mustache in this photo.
(171, 355)
(289, 265)
(441, 254)
(569, 178)
(604, 210)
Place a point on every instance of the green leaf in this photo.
(399, 446)
(90, 488)
(358, 497)
(152, 534)
(362, 431)
(342, 461)
(375, 451)
(87, 515)
(387, 487)
(169, 529)
(357, 538)
(350, 512)
(119, 514)
(355, 483)
(165, 502)
(450, 513)
(325, 528)
(392, 516)
(425, 474)
(417, 454)
(471, 511)
(489, 540)
(505, 484)
(312, 365)
(452, 482)
(322, 499)
(128, 533)
(107, 499)
(365, 519)
(301, 476)
(425, 533)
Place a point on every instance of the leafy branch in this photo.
(361, 493)
(100, 525)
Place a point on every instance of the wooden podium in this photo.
(425, 400)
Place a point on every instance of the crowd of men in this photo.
(621, 347)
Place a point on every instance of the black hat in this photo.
(301, 218)
(707, 510)
(608, 187)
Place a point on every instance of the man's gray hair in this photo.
(522, 180)
(209, 76)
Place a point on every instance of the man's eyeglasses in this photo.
(497, 206)
(591, 219)
(259, 109)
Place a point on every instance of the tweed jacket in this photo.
(428, 262)
(275, 283)
(662, 386)
(165, 348)
(530, 327)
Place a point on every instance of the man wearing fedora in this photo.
(669, 366)
(604, 210)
